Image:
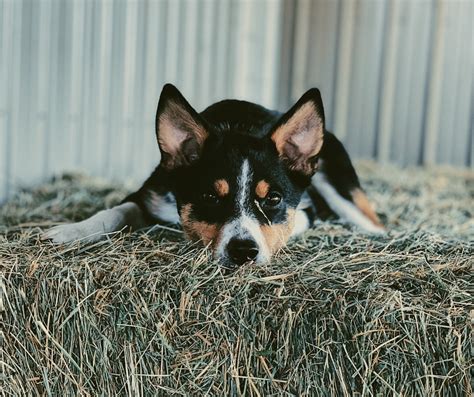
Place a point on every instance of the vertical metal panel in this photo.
(220, 60)
(470, 147)
(204, 61)
(322, 46)
(389, 79)
(42, 79)
(363, 87)
(29, 141)
(434, 92)
(21, 143)
(59, 150)
(77, 80)
(13, 175)
(243, 15)
(157, 61)
(87, 109)
(188, 54)
(344, 56)
(52, 92)
(6, 40)
(231, 41)
(247, 82)
(95, 127)
(115, 131)
(411, 133)
(447, 111)
(463, 89)
(174, 41)
(130, 85)
(3, 110)
(411, 65)
(300, 44)
(285, 67)
(406, 22)
(134, 164)
(270, 53)
(457, 80)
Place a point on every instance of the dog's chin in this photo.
(226, 263)
(230, 266)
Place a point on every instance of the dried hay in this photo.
(337, 312)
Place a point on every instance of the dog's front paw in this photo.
(69, 233)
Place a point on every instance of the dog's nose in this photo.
(242, 250)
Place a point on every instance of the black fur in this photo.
(237, 130)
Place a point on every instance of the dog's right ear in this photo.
(180, 131)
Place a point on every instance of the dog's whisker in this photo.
(262, 212)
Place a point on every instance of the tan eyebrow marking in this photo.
(262, 189)
(222, 187)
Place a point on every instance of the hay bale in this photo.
(336, 312)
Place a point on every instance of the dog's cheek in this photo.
(198, 230)
(276, 235)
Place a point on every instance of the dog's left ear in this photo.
(298, 135)
(180, 130)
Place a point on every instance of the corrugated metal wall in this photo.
(79, 80)
(396, 76)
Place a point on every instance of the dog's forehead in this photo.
(227, 168)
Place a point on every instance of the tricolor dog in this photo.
(240, 178)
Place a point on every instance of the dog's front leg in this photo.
(127, 215)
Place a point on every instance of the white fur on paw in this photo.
(70, 233)
(94, 228)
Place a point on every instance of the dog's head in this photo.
(239, 170)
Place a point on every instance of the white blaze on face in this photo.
(245, 226)
(243, 183)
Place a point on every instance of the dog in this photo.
(238, 177)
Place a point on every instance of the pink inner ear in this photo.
(301, 135)
(170, 136)
(180, 135)
(307, 140)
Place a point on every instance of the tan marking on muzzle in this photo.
(262, 189)
(222, 187)
(362, 202)
(198, 230)
(276, 235)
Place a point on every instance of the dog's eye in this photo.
(210, 198)
(273, 199)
